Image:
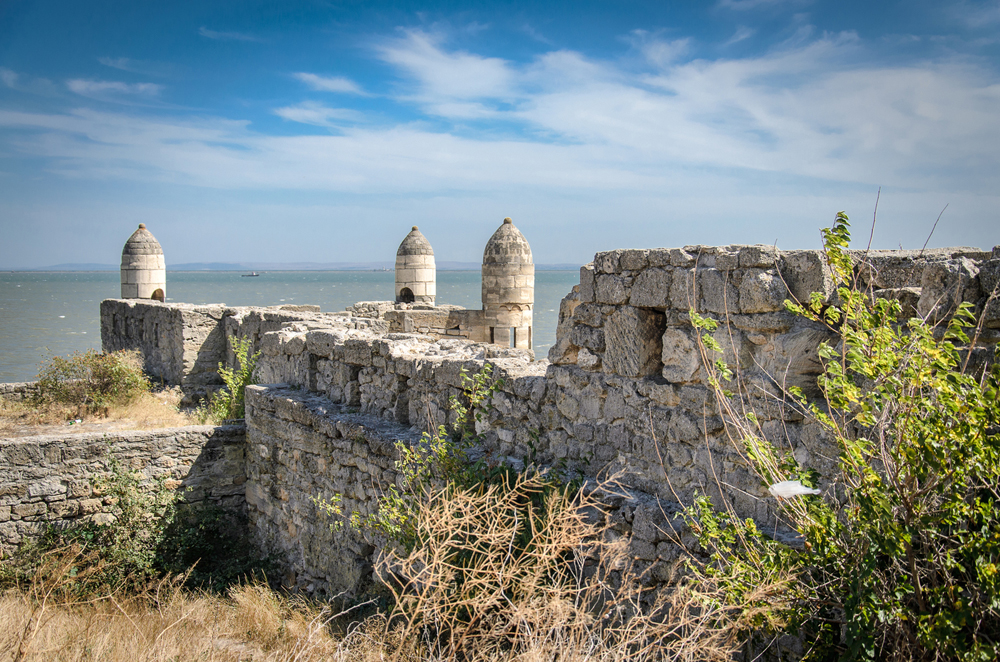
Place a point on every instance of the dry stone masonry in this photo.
(622, 393)
(48, 480)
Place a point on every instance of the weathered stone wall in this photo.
(301, 447)
(47, 480)
(183, 344)
(18, 391)
(623, 391)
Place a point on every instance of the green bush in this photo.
(900, 556)
(228, 403)
(93, 380)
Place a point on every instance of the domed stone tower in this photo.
(508, 287)
(416, 273)
(144, 272)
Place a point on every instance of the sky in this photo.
(310, 131)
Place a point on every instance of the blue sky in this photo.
(321, 131)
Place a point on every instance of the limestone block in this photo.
(944, 285)
(634, 259)
(989, 281)
(791, 360)
(684, 289)
(652, 289)
(806, 272)
(758, 256)
(587, 283)
(761, 292)
(680, 356)
(633, 339)
(718, 293)
(357, 352)
(588, 360)
(680, 257)
(611, 289)
(587, 336)
(727, 260)
(591, 314)
(563, 351)
(608, 262)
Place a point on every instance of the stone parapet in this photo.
(48, 480)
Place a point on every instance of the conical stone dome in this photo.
(415, 243)
(142, 242)
(143, 270)
(416, 273)
(507, 246)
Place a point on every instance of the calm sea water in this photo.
(44, 314)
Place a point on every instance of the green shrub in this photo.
(228, 403)
(93, 380)
(900, 556)
(149, 534)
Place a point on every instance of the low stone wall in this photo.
(300, 447)
(18, 391)
(47, 480)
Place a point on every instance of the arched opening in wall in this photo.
(406, 295)
(157, 294)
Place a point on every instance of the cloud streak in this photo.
(796, 116)
(108, 90)
(329, 83)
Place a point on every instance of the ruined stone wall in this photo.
(18, 391)
(47, 480)
(301, 447)
(183, 344)
(623, 392)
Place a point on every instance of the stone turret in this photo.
(416, 273)
(144, 271)
(508, 287)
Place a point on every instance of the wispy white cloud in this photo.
(310, 112)
(8, 77)
(226, 36)
(329, 83)
(974, 15)
(440, 73)
(135, 66)
(813, 112)
(660, 52)
(742, 33)
(106, 90)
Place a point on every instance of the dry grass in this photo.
(470, 591)
(158, 409)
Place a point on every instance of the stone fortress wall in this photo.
(48, 480)
(622, 392)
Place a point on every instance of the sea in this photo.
(56, 313)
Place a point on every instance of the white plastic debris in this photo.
(789, 488)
